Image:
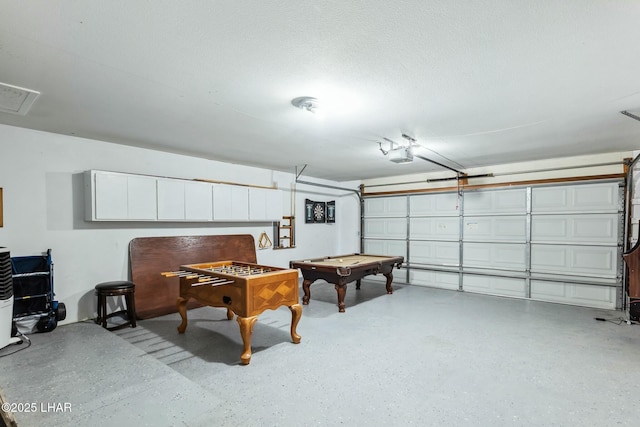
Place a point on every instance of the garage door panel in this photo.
(496, 229)
(434, 279)
(496, 202)
(592, 229)
(390, 228)
(494, 285)
(385, 247)
(437, 228)
(576, 198)
(431, 252)
(600, 261)
(509, 256)
(434, 205)
(574, 293)
(386, 207)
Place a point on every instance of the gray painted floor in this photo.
(418, 357)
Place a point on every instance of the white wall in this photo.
(41, 177)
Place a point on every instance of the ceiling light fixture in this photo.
(306, 103)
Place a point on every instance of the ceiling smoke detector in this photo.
(16, 100)
(306, 103)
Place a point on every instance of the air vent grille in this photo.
(16, 100)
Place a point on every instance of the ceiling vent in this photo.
(16, 100)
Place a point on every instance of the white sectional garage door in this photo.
(558, 243)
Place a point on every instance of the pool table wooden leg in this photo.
(246, 330)
(306, 283)
(389, 277)
(296, 313)
(358, 284)
(341, 288)
(182, 309)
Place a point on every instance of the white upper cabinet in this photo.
(115, 196)
(110, 200)
(170, 199)
(265, 204)
(112, 196)
(181, 200)
(230, 203)
(141, 198)
(198, 201)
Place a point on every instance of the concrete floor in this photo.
(418, 357)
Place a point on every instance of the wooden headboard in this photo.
(149, 256)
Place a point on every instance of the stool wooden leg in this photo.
(102, 310)
(97, 320)
(131, 309)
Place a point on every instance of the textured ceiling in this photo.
(476, 83)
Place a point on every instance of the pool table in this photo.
(342, 269)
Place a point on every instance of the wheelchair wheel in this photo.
(61, 312)
(47, 323)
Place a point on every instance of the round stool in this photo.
(114, 289)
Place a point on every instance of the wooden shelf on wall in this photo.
(284, 231)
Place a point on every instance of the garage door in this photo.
(558, 243)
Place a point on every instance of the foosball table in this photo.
(244, 289)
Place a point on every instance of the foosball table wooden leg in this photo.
(246, 329)
(182, 309)
(229, 314)
(296, 313)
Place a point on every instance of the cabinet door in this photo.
(230, 203)
(265, 204)
(170, 200)
(110, 196)
(274, 205)
(198, 201)
(113, 196)
(141, 198)
(258, 203)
